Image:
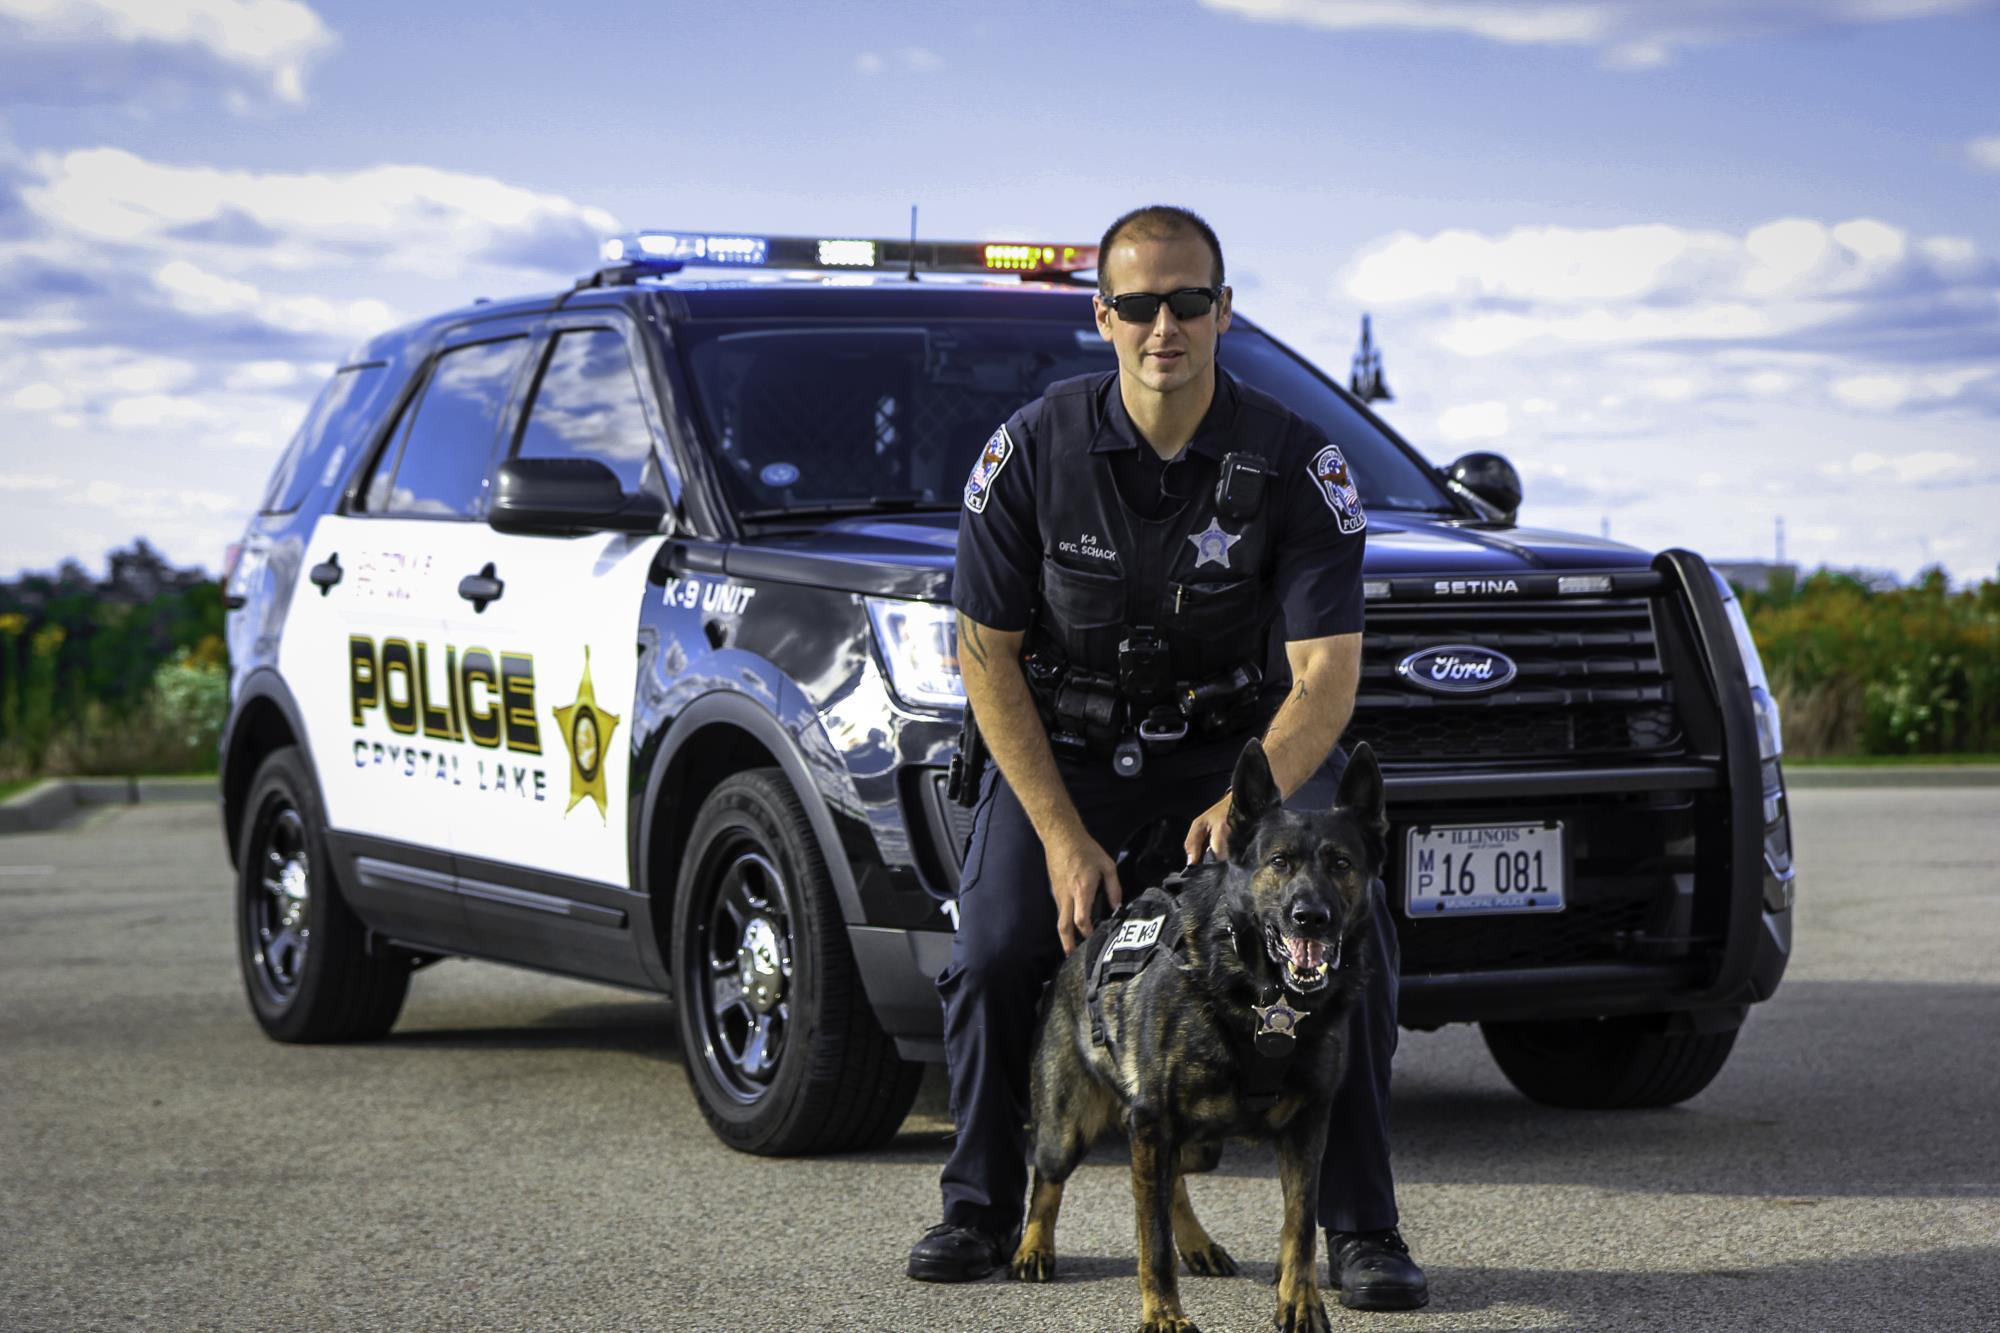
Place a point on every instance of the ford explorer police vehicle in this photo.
(608, 633)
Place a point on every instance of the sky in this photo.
(1696, 267)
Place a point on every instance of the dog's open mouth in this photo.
(1308, 963)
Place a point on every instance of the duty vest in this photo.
(1199, 579)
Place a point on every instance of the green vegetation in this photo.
(1862, 671)
(128, 674)
(1896, 761)
(114, 676)
(14, 786)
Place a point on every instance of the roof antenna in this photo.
(912, 274)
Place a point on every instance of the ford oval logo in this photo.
(1457, 668)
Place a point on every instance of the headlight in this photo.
(1770, 736)
(919, 641)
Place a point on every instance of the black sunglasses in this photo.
(1144, 307)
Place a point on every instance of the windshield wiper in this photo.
(874, 504)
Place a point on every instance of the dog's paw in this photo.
(1033, 1265)
(1302, 1314)
(1169, 1323)
(1211, 1262)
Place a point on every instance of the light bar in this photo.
(847, 254)
(653, 252)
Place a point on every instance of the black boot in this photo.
(1374, 1271)
(950, 1253)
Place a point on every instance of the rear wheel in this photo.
(304, 955)
(782, 1049)
(1607, 1063)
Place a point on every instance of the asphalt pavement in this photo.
(523, 1151)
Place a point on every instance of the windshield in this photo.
(818, 417)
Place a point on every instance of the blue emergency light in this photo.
(647, 253)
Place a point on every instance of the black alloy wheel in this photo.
(782, 1050)
(307, 969)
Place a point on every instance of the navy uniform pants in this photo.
(1007, 947)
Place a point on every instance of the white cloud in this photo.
(263, 375)
(152, 502)
(1627, 34)
(1985, 152)
(74, 51)
(1858, 312)
(37, 398)
(1473, 421)
(32, 484)
(1912, 469)
(910, 59)
(405, 217)
(1885, 392)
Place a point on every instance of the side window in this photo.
(435, 465)
(323, 439)
(587, 405)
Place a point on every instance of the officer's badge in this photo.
(1211, 544)
(586, 730)
(979, 485)
(1330, 473)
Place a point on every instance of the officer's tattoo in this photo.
(969, 634)
(1302, 690)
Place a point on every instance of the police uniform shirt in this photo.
(1315, 534)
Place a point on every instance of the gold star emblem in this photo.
(586, 730)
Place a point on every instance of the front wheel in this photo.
(305, 958)
(782, 1050)
(1607, 1063)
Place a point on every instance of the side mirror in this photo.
(1489, 479)
(568, 495)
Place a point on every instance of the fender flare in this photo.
(263, 684)
(726, 707)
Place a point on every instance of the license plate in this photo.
(1484, 869)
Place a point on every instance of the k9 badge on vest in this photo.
(1330, 473)
(979, 485)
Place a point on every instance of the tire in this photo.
(782, 1050)
(304, 954)
(1606, 1064)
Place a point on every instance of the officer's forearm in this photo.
(1308, 724)
(989, 661)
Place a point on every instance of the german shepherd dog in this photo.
(1232, 1025)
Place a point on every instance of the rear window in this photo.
(324, 440)
(826, 414)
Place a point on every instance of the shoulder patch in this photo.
(1138, 934)
(1336, 483)
(979, 486)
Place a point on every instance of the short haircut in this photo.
(1158, 222)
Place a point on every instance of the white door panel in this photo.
(379, 702)
(571, 605)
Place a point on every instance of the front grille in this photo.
(1589, 683)
(1584, 933)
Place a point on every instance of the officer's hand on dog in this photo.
(1077, 865)
(1209, 832)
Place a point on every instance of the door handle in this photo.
(481, 588)
(326, 573)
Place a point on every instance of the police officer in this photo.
(1126, 543)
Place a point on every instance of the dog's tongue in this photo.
(1305, 953)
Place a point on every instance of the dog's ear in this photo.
(1361, 791)
(1253, 792)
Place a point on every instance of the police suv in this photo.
(609, 633)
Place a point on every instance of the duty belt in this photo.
(1089, 715)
